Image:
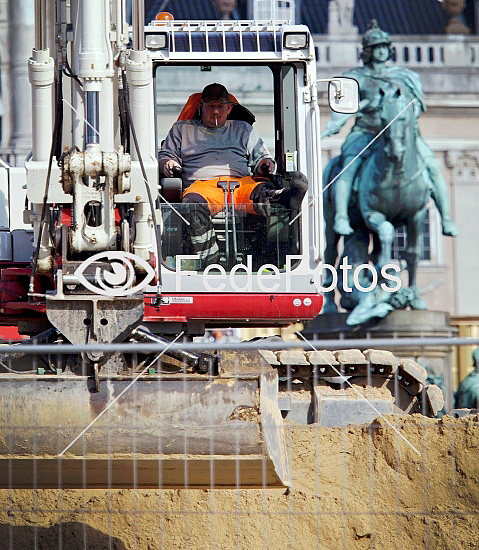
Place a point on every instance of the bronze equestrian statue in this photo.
(389, 184)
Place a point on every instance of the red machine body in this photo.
(207, 309)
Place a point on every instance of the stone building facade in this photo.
(16, 43)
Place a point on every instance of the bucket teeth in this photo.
(377, 367)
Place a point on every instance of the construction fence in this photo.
(297, 447)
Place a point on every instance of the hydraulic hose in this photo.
(148, 191)
(56, 143)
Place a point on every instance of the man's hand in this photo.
(167, 166)
(265, 167)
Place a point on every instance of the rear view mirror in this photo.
(343, 95)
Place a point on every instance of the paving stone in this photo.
(291, 357)
(322, 357)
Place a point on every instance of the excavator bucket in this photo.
(168, 425)
(101, 419)
(166, 430)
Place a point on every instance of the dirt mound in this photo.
(356, 487)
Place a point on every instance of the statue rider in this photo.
(374, 78)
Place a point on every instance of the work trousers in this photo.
(209, 199)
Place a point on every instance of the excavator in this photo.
(111, 267)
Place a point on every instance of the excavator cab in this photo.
(264, 235)
(269, 79)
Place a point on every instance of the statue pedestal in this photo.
(398, 324)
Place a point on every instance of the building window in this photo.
(400, 241)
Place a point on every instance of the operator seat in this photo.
(239, 112)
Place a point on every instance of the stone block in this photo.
(382, 358)
(435, 398)
(350, 357)
(413, 370)
(321, 358)
(341, 410)
(269, 356)
(291, 357)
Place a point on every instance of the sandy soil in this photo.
(354, 488)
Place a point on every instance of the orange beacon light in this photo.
(164, 16)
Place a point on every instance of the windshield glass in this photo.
(251, 85)
(264, 239)
(225, 223)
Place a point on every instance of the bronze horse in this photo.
(393, 189)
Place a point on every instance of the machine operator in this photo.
(214, 149)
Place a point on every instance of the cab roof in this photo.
(227, 40)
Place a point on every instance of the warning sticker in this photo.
(167, 300)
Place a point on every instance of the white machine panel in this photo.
(22, 245)
(18, 180)
(4, 198)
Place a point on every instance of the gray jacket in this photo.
(234, 149)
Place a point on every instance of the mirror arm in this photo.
(338, 82)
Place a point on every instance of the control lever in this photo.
(229, 188)
(225, 185)
(233, 185)
(172, 187)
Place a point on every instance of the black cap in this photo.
(215, 92)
